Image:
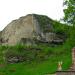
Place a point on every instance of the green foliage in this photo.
(62, 28)
(70, 11)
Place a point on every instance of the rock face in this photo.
(25, 30)
(19, 29)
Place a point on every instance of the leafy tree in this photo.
(69, 12)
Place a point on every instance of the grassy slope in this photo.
(40, 67)
(59, 53)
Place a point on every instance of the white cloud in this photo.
(13, 9)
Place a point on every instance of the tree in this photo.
(69, 12)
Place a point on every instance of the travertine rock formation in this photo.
(25, 30)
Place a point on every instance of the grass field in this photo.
(50, 65)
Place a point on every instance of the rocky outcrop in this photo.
(19, 29)
(26, 29)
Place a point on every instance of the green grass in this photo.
(41, 68)
(59, 53)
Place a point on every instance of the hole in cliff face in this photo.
(27, 41)
(3, 41)
(23, 40)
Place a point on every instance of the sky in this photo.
(13, 9)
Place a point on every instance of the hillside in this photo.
(39, 51)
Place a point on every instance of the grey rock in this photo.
(26, 27)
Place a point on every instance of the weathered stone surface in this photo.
(18, 29)
(26, 27)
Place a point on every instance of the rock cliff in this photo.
(26, 29)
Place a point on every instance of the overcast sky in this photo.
(13, 9)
